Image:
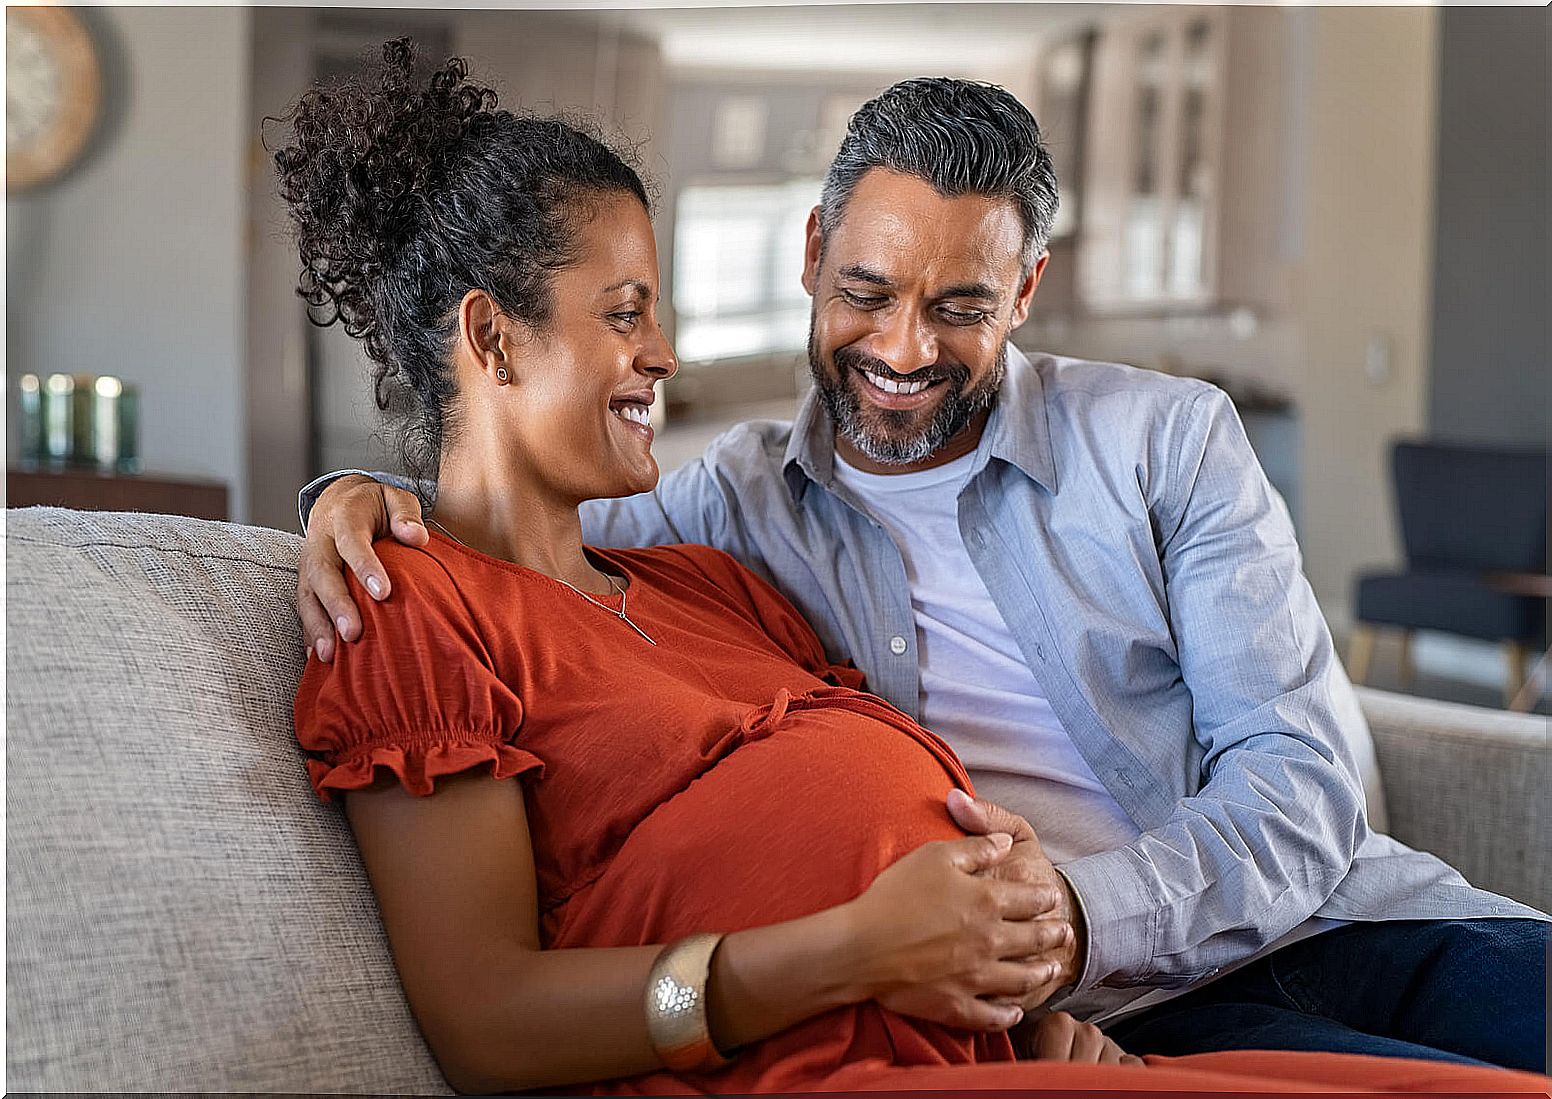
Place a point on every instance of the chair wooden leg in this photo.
(1535, 684)
(1516, 662)
(1360, 652)
(1406, 660)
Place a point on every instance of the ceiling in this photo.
(882, 37)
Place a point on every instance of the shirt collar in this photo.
(1017, 432)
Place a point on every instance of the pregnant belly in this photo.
(814, 801)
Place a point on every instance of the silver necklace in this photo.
(614, 586)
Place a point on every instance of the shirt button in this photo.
(897, 645)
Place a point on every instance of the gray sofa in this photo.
(184, 915)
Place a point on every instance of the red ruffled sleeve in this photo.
(415, 697)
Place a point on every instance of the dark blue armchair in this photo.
(1474, 528)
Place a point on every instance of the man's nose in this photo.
(906, 343)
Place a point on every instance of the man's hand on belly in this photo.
(1027, 862)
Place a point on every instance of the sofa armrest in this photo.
(1469, 785)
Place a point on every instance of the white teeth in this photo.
(889, 386)
(635, 413)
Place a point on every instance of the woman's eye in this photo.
(628, 317)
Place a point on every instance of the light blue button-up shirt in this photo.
(1150, 577)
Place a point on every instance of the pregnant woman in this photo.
(628, 829)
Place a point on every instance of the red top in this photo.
(727, 777)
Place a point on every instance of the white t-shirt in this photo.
(977, 691)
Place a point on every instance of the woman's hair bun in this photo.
(365, 154)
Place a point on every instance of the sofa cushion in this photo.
(183, 914)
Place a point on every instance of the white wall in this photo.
(133, 264)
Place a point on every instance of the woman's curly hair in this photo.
(408, 189)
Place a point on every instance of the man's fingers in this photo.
(317, 630)
(1053, 1038)
(1010, 982)
(975, 853)
(979, 816)
(968, 813)
(1089, 1045)
(1110, 1053)
(359, 555)
(1023, 900)
(404, 519)
(1022, 937)
(328, 587)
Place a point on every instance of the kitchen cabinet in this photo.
(1183, 170)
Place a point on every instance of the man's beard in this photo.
(898, 444)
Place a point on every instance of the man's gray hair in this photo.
(962, 136)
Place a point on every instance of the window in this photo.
(738, 266)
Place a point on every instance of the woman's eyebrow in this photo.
(636, 285)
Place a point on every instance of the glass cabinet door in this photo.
(1188, 276)
(1143, 250)
(1156, 134)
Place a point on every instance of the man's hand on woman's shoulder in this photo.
(351, 514)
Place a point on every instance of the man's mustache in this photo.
(848, 358)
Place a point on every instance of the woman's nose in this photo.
(657, 359)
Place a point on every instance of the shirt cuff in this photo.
(1119, 916)
(314, 488)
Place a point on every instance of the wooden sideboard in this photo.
(90, 490)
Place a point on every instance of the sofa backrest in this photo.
(183, 914)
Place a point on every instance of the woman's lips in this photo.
(633, 418)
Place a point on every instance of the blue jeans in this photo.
(1473, 991)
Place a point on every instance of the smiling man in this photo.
(1075, 573)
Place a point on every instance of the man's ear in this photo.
(813, 248)
(483, 340)
(1026, 292)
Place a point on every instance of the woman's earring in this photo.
(501, 375)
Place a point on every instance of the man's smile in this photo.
(897, 395)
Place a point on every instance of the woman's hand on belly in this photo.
(936, 941)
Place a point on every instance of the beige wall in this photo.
(1364, 280)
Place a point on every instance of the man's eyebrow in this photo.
(864, 274)
(979, 290)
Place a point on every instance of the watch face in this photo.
(51, 93)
